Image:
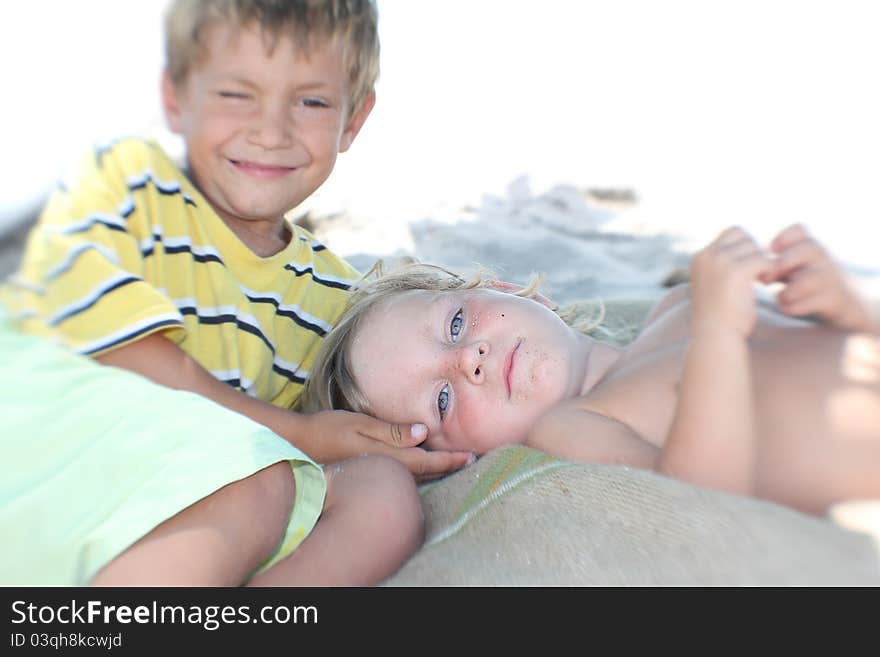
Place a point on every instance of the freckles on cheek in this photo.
(474, 422)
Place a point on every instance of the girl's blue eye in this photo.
(443, 401)
(455, 325)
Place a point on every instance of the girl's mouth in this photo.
(508, 366)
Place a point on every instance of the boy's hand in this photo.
(394, 435)
(723, 275)
(815, 284)
(343, 434)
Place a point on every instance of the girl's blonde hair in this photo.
(353, 22)
(330, 384)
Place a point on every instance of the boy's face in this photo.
(478, 367)
(262, 130)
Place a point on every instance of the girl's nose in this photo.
(472, 360)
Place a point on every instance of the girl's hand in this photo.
(815, 284)
(723, 276)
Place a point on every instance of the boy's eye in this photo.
(232, 94)
(443, 401)
(314, 102)
(455, 325)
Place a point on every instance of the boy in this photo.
(193, 278)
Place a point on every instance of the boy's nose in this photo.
(271, 129)
(472, 359)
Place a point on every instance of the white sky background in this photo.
(758, 112)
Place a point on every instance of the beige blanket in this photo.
(521, 517)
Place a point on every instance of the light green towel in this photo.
(94, 457)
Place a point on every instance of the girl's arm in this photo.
(713, 438)
(713, 441)
(577, 434)
(816, 285)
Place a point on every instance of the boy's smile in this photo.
(262, 127)
(261, 170)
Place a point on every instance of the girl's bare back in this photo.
(816, 395)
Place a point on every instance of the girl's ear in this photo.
(513, 288)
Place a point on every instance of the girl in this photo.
(715, 389)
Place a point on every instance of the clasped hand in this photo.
(723, 275)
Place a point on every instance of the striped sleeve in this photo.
(323, 267)
(81, 277)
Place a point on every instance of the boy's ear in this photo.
(170, 102)
(356, 122)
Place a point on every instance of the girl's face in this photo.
(478, 367)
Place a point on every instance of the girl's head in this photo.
(477, 365)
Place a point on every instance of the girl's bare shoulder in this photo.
(676, 297)
(580, 431)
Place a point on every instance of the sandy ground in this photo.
(586, 243)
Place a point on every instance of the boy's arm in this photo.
(326, 437)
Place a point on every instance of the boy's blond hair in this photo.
(353, 22)
(331, 386)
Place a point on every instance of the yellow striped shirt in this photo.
(132, 248)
